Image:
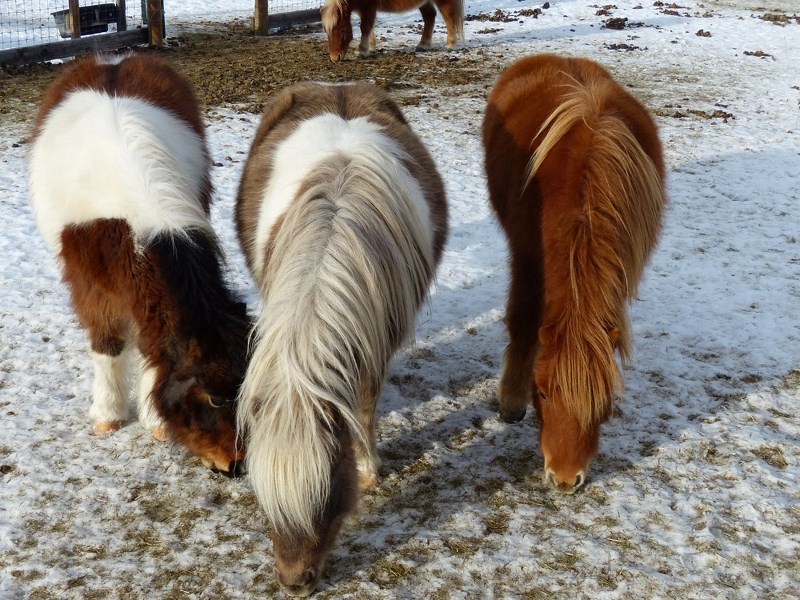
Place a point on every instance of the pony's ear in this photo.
(547, 335)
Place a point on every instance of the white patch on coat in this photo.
(99, 156)
(310, 144)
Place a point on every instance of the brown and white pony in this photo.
(575, 175)
(336, 16)
(342, 217)
(119, 184)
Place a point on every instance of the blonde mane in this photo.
(622, 197)
(330, 13)
(348, 268)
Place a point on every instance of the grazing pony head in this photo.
(335, 16)
(301, 549)
(201, 364)
(573, 392)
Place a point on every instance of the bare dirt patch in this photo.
(229, 65)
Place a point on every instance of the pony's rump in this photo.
(130, 130)
(129, 75)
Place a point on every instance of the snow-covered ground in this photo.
(695, 491)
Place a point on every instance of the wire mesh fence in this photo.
(34, 22)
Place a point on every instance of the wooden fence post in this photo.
(74, 16)
(155, 22)
(122, 21)
(261, 17)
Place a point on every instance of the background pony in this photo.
(336, 16)
(119, 184)
(342, 217)
(575, 174)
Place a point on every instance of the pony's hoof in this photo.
(105, 427)
(160, 433)
(513, 416)
(425, 48)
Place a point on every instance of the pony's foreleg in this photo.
(148, 415)
(367, 42)
(428, 18)
(110, 388)
(367, 460)
(522, 320)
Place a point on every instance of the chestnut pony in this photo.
(575, 175)
(342, 217)
(119, 184)
(335, 15)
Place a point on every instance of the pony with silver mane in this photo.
(342, 217)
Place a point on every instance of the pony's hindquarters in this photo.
(342, 217)
(575, 174)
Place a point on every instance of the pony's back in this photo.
(120, 137)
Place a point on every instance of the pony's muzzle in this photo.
(304, 586)
(336, 56)
(565, 487)
(512, 416)
(235, 469)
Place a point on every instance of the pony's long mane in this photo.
(348, 268)
(330, 14)
(622, 197)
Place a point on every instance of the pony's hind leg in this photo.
(367, 460)
(452, 14)
(522, 320)
(148, 415)
(367, 42)
(428, 18)
(110, 388)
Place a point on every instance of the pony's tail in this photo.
(622, 197)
